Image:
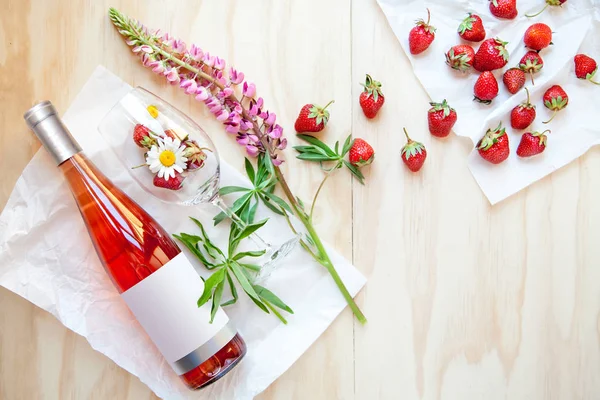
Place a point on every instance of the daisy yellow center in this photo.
(167, 158)
(153, 111)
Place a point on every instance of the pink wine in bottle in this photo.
(155, 279)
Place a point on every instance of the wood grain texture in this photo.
(464, 300)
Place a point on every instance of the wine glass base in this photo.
(275, 257)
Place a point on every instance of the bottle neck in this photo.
(54, 135)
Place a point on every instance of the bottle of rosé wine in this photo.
(155, 279)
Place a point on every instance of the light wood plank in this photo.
(466, 300)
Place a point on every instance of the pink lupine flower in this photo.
(144, 48)
(178, 46)
(276, 161)
(270, 120)
(209, 60)
(275, 132)
(252, 150)
(242, 140)
(282, 144)
(235, 77)
(201, 93)
(196, 53)
(158, 66)
(172, 75)
(222, 115)
(219, 63)
(189, 85)
(249, 89)
(227, 92)
(232, 128)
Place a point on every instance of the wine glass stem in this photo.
(218, 202)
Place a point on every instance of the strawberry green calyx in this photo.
(411, 148)
(372, 87)
(501, 47)
(428, 28)
(466, 24)
(435, 107)
(542, 136)
(491, 137)
(557, 103)
(461, 62)
(552, 3)
(590, 77)
(320, 113)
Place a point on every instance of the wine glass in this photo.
(185, 160)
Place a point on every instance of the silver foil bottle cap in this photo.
(43, 120)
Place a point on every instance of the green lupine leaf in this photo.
(347, 145)
(235, 207)
(356, 172)
(270, 204)
(207, 241)
(243, 280)
(255, 253)
(251, 267)
(317, 143)
(269, 296)
(250, 229)
(195, 251)
(249, 170)
(216, 300)
(279, 201)
(313, 157)
(233, 291)
(210, 284)
(225, 190)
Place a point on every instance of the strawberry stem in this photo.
(312, 207)
(408, 139)
(328, 104)
(593, 81)
(537, 13)
(553, 115)
(532, 82)
(528, 102)
(428, 17)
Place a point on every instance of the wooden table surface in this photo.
(464, 300)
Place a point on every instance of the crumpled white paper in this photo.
(47, 257)
(576, 27)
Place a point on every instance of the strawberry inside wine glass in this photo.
(173, 159)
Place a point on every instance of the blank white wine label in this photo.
(165, 304)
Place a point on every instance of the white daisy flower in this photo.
(166, 157)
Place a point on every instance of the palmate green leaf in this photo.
(278, 200)
(269, 204)
(195, 251)
(356, 172)
(251, 267)
(225, 190)
(250, 229)
(243, 280)
(256, 253)
(317, 143)
(233, 291)
(249, 170)
(210, 284)
(235, 207)
(313, 157)
(211, 249)
(347, 145)
(216, 300)
(269, 296)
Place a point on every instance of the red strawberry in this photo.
(441, 118)
(371, 99)
(514, 80)
(460, 57)
(361, 153)
(413, 153)
(421, 36)
(585, 67)
(506, 9)
(141, 136)
(491, 55)
(493, 147)
(532, 63)
(553, 3)
(471, 28)
(486, 88)
(555, 99)
(171, 184)
(522, 115)
(532, 144)
(312, 118)
(538, 36)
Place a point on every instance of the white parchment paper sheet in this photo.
(47, 257)
(576, 28)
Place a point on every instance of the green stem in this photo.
(277, 313)
(312, 207)
(537, 13)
